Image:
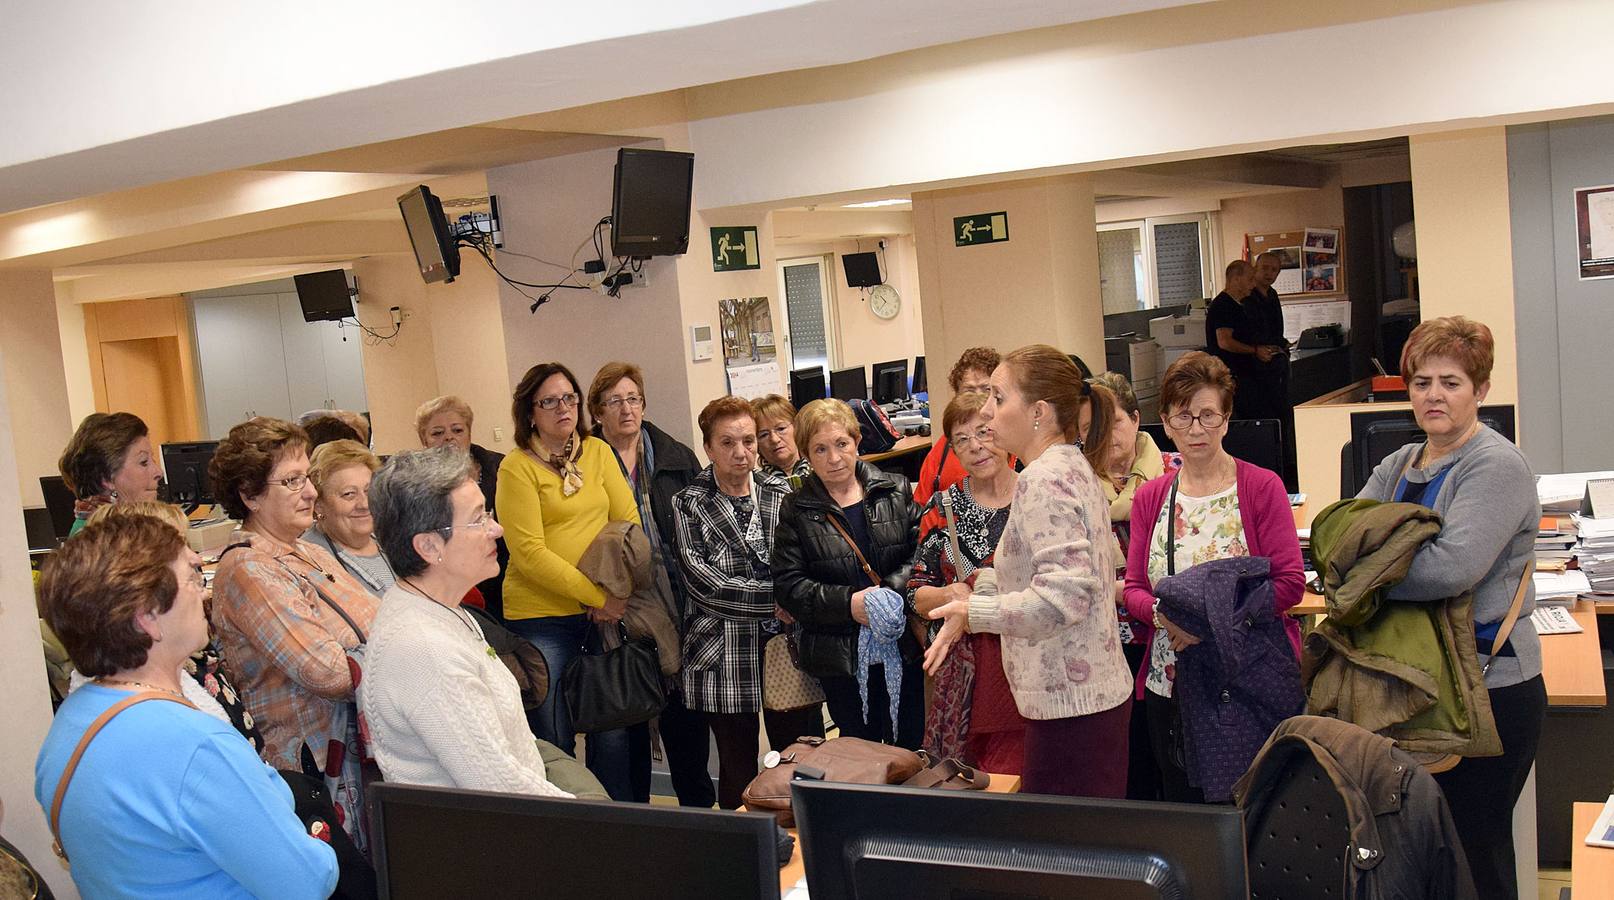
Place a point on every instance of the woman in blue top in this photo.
(166, 801)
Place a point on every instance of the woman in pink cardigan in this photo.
(1224, 507)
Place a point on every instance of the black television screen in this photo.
(650, 202)
(863, 841)
(807, 385)
(436, 251)
(185, 472)
(890, 381)
(325, 296)
(862, 269)
(849, 384)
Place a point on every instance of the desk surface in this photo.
(908, 444)
(1591, 869)
(796, 869)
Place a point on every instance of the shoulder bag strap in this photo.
(952, 534)
(83, 744)
(868, 570)
(1171, 528)
(1505, 630)
(935, 483)
(337, 607)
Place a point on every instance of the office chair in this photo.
(1297, 841)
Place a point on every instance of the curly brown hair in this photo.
(93, 588)
(97, 451)
(984, 359)
(247, 455)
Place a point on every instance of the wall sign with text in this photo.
(735, 249)
(981, 228)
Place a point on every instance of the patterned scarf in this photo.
(877, 643)
(83, 509)
(565, 462)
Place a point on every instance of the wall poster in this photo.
(1594, 231)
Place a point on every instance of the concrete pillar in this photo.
(1039, 286)
(36, 381)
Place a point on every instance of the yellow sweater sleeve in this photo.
(521, 513)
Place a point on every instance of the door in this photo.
(809, 322)
(243, 364)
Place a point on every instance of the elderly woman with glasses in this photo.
(286, 613)
(1221, 507)
(440, 707)
(446, 421)
(972, 374)
(556, 493)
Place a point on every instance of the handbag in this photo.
(950, 775)
(524, 661)
(844, 759)
(617, 688)
(784, 685)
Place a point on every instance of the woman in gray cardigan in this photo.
(1484, 491)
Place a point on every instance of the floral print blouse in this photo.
(1207, 528)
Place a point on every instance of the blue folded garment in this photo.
(877, 643)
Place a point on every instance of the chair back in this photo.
(1297, 842)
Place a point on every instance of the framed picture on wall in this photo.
(1594, 231)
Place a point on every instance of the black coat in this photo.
(815, 571)
(676, 468)
(488, 462)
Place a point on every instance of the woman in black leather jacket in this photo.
(818, 579)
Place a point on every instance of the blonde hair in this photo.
(165, 512)
(773, 406)
(821, 414)
(328, 459)
(431, 408)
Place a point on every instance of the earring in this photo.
(114, 495)
(439, 559)
(1036, 425)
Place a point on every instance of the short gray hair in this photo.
(410, 496)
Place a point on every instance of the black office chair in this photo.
(1296, 844)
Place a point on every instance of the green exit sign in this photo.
(981, 228)
(735, 249)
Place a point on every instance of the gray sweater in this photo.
(1491, 514)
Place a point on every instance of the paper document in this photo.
(1571, 582)
(1565, 491)
(1554, 620)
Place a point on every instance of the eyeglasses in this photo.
(967, 388)
(1184, 421)
(982, 436)
(631, 401)
(566, 400)
(294, 483)
(778, 431)
(481, 522)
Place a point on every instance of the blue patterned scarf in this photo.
(877, 643)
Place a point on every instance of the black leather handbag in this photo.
(620, 687)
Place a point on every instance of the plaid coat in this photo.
(730, 592)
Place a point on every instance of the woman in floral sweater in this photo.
(1050, 595)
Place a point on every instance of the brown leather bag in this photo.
(844, 759)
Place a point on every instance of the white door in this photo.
(243, 366)
(305, 358)
(344, 366)
(809, 321)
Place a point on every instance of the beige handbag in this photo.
(784, 685)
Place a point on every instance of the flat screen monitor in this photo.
(849, 384)
(862, 269)
(1378, 434)
(437, 842)
(40, 527)
(890, 381)
(436, 251)
(921, 384)
(872, 842)
(59, 500)
(807, 385)
(324, 296)
(185, 471)
(1257, 441)
(650, 202)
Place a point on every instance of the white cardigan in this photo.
(441, 708)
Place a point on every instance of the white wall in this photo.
(31, 342)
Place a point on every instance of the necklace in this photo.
(1430, 457)
(458, 616)
(132, 683)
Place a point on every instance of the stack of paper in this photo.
(1554, 620)
(1595, 551)
(1563, 493)
(1560, 588)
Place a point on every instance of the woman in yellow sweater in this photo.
(555, 493)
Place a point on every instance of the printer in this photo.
(1179, 334)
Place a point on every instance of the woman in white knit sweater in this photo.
(440, 706)
(1050, 594)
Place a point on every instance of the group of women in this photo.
(1024, 583)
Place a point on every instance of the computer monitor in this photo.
(1378, 434)
(890, 381)
(60, 501)
(324, 296)
(650, 202)
(807, 385)
(849, 384)
(862, 269)
(185, 470)
(920, 384)
(871, 842)
(1258, 441)
(437, 251)
(41, 529)
(437, 842)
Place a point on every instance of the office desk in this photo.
(1591, 869)
(796, 869)
(909, 444)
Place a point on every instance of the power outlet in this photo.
(601, 283)
(498, 434)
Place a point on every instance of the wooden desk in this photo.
(907, 444)
(1591, 869)
(1571, 664)
(796, 869)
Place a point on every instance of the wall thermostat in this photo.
(700, 342)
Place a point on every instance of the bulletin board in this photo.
(1313, 259)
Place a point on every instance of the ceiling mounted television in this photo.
(650, 202)
(436, 250)
(324, 296)
(862, 269)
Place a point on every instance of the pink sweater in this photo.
(1269, 529)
